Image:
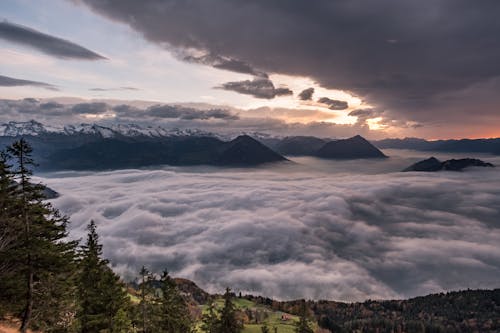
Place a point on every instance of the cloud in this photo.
(363, 115)
(45, 43)
(50, 105)
(6, 81)
(53, 112)
(306, 94)
(225, 63)
(259, 88)
(173, 111)
(211, 118)
(114, 89)
(333, 104)
(89, 108)
(398, 63)
(318, 229)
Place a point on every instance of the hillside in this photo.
(459, 311)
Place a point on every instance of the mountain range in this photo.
(350, 148)
(491, 146)
(118, 146)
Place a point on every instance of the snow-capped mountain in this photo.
(34, 128)
(14, 128)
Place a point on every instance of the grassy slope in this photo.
(274, 319)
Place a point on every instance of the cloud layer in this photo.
(297, 230)
(45, 43)
(213, 118)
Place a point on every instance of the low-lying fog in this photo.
(341, 230)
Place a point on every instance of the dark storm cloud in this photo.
(400, 55)
(229, 64)
(6, 81)
(174, 111)
(259, 88)
(51, 106)
(89, 108)
(336, 230)
(306, 94)
(114, 89)
(45, 43)
(333, 104)
(364, 114)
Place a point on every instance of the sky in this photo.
(391, 68)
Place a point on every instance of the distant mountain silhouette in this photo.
(433, 164)
(355, 147)
(491, 146)
(295, 145)
(245, 150)
(126, 153)
(49, 193)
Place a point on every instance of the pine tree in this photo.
(146, 306)
(302, 326)
(44, 260)
(174, 315)
(210, 319)
(10, 234)
(228, 322)
(101, 295)
(7, 200)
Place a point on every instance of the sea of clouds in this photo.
(317, 229)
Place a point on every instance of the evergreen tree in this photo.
(174, 315)
(43, 259)
(302, 326)
(210, 319)
(144, 274)
(122, 322)
(228, 322)
(7, 204)
(101, 295)
(9, 235)
(148, 304)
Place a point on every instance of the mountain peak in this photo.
(433, 164)
(354, 147)
(14, 128)
(245, 150)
